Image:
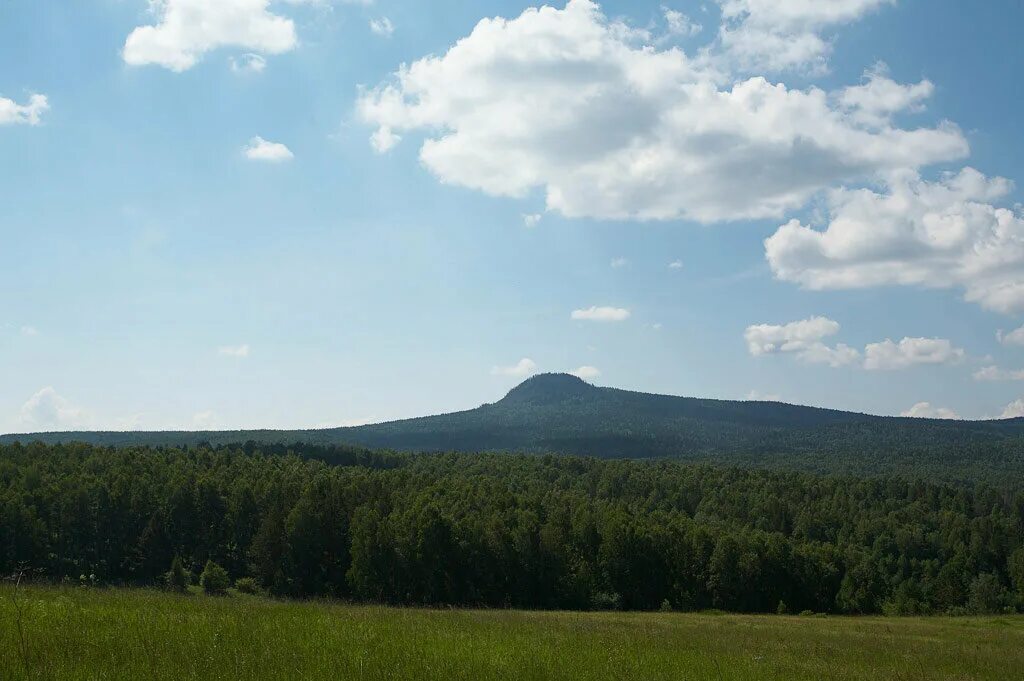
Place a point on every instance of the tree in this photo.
(214, 580)
(177, 577)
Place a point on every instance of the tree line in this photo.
(511, 531)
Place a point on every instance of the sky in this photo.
(312, 213)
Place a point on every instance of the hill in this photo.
(559, 413)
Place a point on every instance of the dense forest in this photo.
(561, 414)
(511, 531)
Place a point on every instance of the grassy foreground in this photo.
(132, 634)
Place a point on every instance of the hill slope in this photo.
(562, 414)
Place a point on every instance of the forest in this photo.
(520, 531)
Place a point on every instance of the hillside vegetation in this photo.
(510, 531)
(558, 413)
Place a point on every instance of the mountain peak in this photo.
(548, 389)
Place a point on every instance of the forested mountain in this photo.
(506, 530)
(559, 413)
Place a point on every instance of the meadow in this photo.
(89, 633)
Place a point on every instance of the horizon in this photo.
(361, 211)
(525, 381)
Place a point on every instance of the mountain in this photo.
(559, 413)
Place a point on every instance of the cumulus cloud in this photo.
(382, 27)
(909, 352)
(924, 410)
(12, 113)
(512, 107)
(46, 410)
(601, 314)
(802, 338)
(1014, 410)
(587, 373)
(619, 263)
(1015, 337)
(239, 351)
(384, 139)
(260, 149)
(521, 369)
(758, 396)
(778, 35)
(531, 219)
(875, 101)
(185, 30)
(678, 24)
(915, 233)
(994, 373)
(248, 63)
(676, 265)
(805, 339)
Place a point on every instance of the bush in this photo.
(246, 585)
(666, 606)
(214, 580)
(176, 578)
(988, 595)
(806, 613)
(606, 601)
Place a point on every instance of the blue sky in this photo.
(240, 214)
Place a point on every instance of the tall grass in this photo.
(77, 633)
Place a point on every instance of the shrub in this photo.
(781, 609)
(666, 606)
(246, 585)
(988, 595)
(806, 613)
(606, 601)
(176, 578)
(214, 580)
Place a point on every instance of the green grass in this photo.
(78, 633)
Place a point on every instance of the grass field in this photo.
(132, 634)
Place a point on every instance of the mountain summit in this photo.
(547, 389)
(560, 413)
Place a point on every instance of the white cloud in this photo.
(802, 338)
(757, 396)
(206, 420)
(384, 140)
(676, 265)
(875, 101)
(1014, 410)
(924, 410)
(512, 108)
(185, 30)
(46, 410)
(12, 113)
(679, 24)
(909, 352)
(601, 314)
(619, 263)
(248, 63)
(994, 373)
(531, 219)
(776, 35)
(805, 340)
(1015, 337)
(917, 233)
(382, 27)
(260, 149)
(521, 369)
(29, 331)
(587, 373)
(239, 351)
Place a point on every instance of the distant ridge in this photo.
(560, 413)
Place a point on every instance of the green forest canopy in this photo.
(519, 531)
